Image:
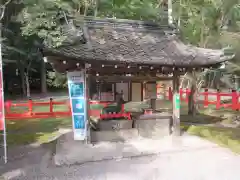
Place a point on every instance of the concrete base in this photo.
(70, 152)
(113, 136)
(153, 129)
(150, 136)
(154, 126)
(121, 130)
(109, 125)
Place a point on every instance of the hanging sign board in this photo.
(77, 95)
(177, 101)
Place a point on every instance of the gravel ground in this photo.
(209, 163)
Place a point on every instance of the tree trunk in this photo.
(192, 96)
(22, 78)
(236, 82)
(96, 8)
(27, 85)
(43, 78)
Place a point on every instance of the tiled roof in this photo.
(135, 42)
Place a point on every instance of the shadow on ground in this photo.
(27, 157)
(200, 119)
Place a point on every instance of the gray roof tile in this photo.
(135, 42)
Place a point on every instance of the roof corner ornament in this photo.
(228, 53)
(223, 66)
(45, 59)
(87, 36)
(74, 32)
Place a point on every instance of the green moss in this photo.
(226, 137)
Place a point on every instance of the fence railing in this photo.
(219, 99)
(30, 109)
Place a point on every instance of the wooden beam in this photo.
(131, 78)
(176, 104)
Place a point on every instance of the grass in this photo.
(27, 131)
(225, 137)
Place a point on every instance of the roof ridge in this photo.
(124, 23)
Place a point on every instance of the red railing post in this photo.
(187, 94)
(238, 103)
(181, 94)
(51, 105)
(170, 94)
(218, 103)
(205, 98)
(69, 107)
(123, 108)
(8, 105)
(234, 100)
(30, 106)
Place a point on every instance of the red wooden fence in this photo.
(29, 112)
(233, 101)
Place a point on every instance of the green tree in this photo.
(202, 23)
(205, 24)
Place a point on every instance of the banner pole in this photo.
(2, 100)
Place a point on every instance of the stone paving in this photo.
(193, 159)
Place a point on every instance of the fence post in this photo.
(122, 108)
(69, 107)
(8, 105)
(170, 94)
(181, 93)
(218, 103)
(187, 94)
(234, 100)
(51, 105)
(205, 98)
(30, 106)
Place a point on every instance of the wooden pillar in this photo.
(192, 95)
(87, 91)
(115, 91)
(153, 104)
(130, 91)
(176, 104)
(143, 90)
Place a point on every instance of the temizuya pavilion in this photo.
(122, 47)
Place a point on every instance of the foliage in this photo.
(208, 24)
(45, 18)
(131, 9)
(20, 48)
(57, 80)
(204, 23)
